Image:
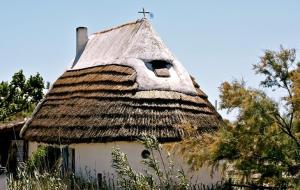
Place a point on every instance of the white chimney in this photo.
(81, 39)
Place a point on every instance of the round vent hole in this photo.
(145, 154)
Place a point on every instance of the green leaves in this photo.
(34, 87)
(262, 144)
(20, 95)
(276, 67)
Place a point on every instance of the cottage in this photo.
(123, 82)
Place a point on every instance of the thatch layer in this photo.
(103, 104)
(10, 131)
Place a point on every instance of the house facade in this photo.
(124, 82)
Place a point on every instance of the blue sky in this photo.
(215, 40)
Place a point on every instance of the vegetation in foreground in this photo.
(262, 146)
(160, 173)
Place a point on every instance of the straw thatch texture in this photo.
(103, 103)
(11, 130)
(138, 46)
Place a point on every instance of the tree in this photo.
(262, 146)
(20, 95)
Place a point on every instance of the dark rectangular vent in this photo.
(161, 68)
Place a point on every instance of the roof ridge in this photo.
(119, 26)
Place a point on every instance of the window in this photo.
(160, 68)
(62, 158)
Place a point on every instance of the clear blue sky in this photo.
(215, 40)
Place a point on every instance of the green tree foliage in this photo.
(20, 94)
(262, 146)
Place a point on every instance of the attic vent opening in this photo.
(160, 68)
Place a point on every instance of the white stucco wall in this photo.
(94, 158)
(98, 155)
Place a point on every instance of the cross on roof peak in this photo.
(144, 12)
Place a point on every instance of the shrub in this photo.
(155, 177)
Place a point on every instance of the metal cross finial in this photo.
(144, 12)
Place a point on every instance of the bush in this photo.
(155, 177)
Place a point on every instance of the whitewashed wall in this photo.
(96, 158)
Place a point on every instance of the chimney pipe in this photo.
(81, 39)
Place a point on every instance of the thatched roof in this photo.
(10, 130)
(136, 44)
(105, 102)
